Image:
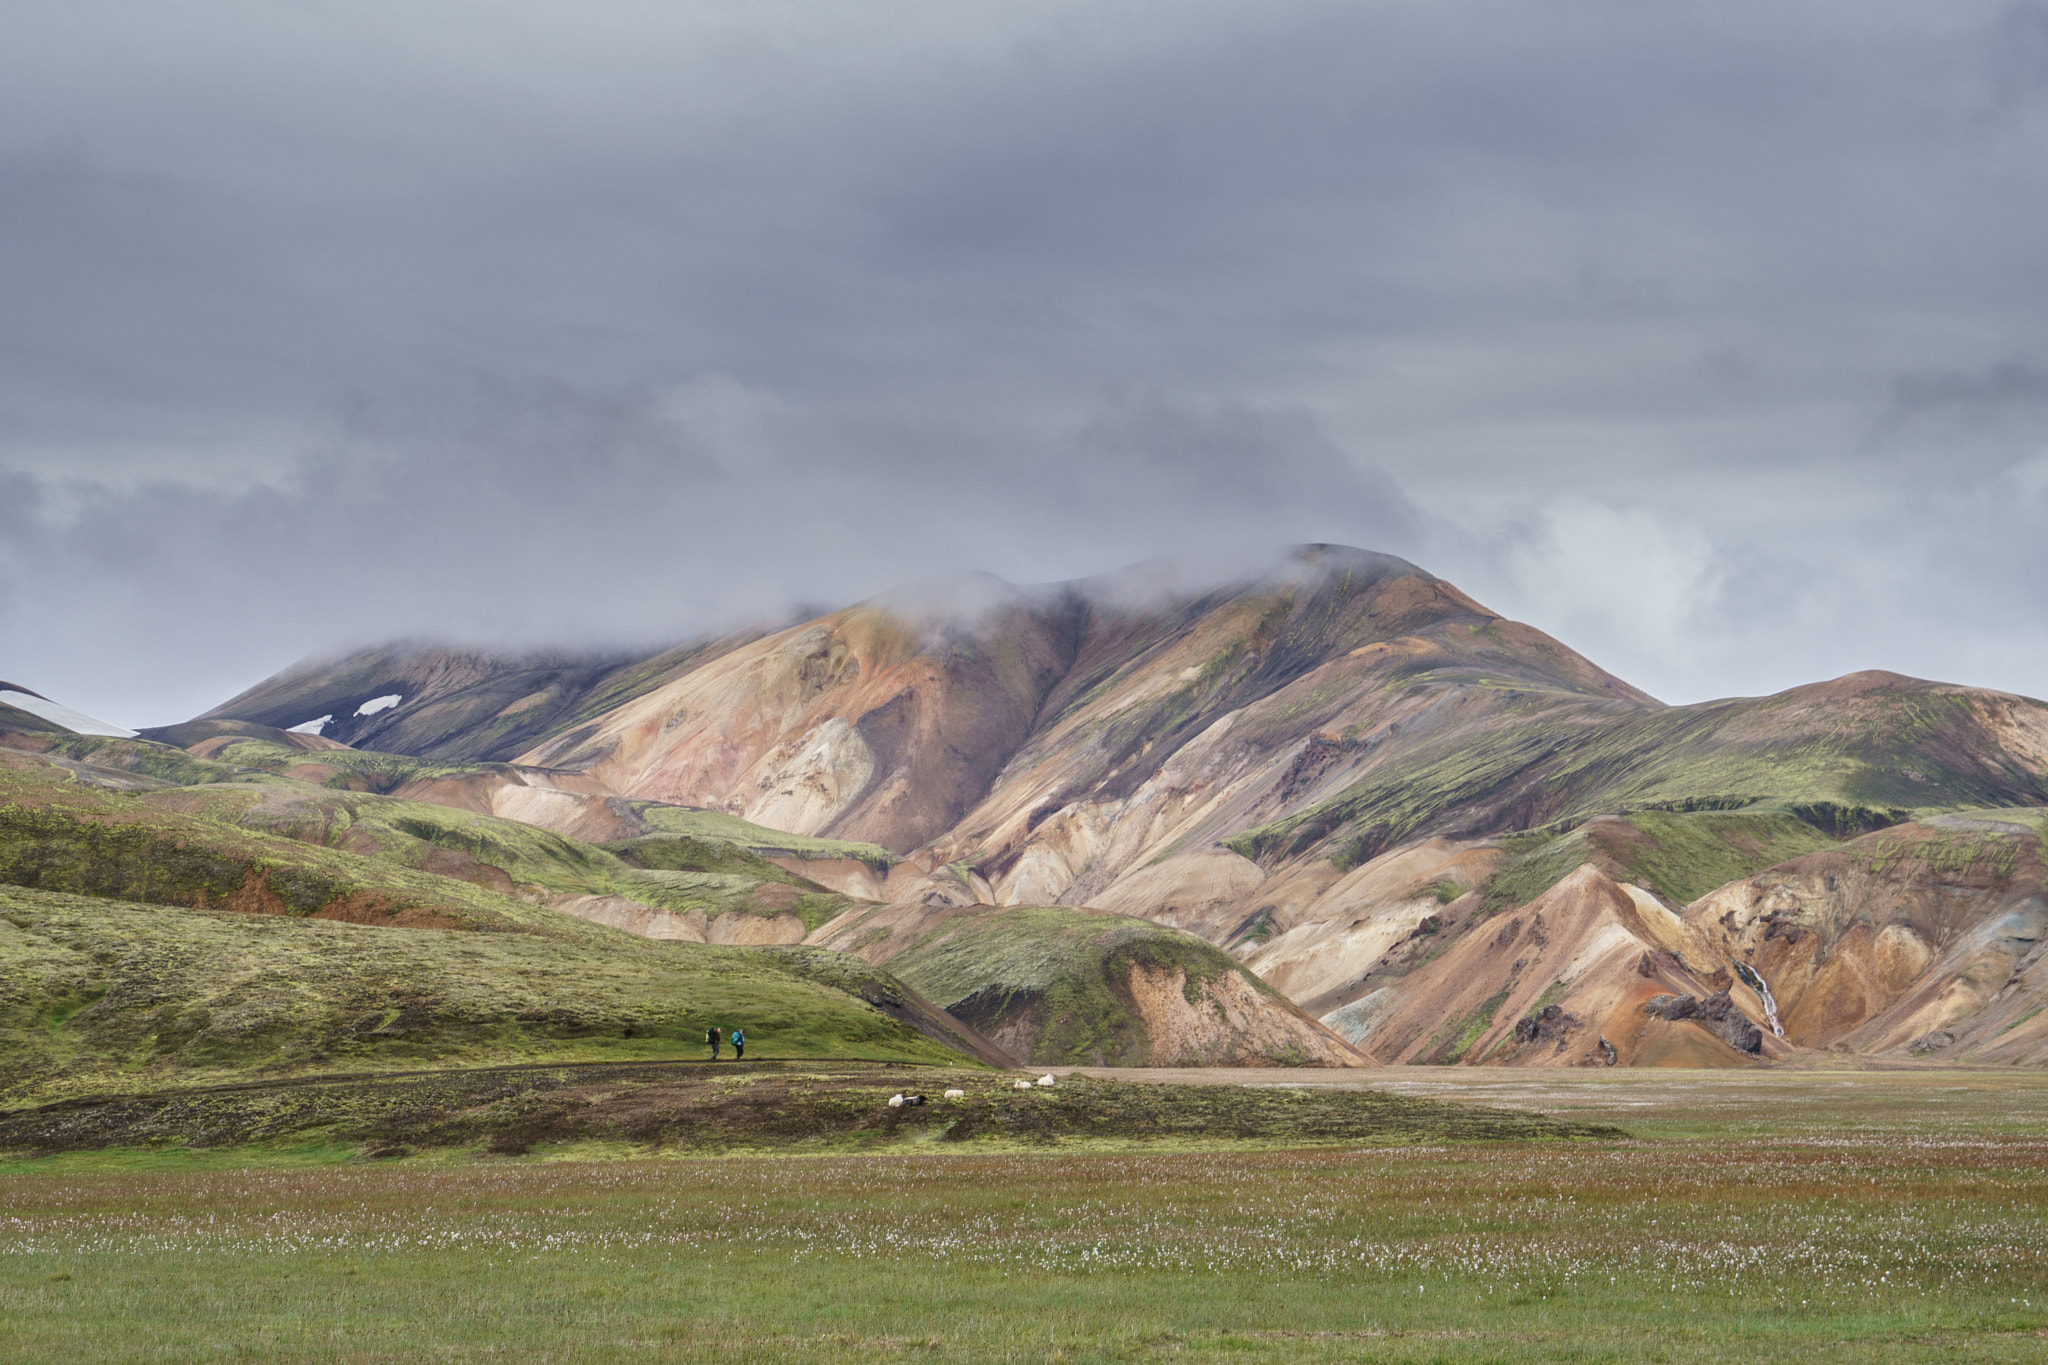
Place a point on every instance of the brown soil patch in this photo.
(450, 862)
(371, 908)
(777, 897)
(252, 897)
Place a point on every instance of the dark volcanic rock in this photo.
(1548, 1025)
(1730, 1024)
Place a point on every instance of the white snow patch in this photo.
(311, 727)
(376, 704)
(75, 721)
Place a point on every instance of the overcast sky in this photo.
(1712, 338)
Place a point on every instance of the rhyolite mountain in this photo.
(1432, 834)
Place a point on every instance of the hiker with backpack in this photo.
(739, 1046)
(711, 1036)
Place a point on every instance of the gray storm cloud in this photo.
(1707, 336)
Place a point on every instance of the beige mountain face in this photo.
(867, 724)
(1443, 835)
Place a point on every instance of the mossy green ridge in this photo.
(725, 875)
(1060, 976)
(377, 773)
(1681, 855)
(352, 769)
(718, 826)
(1848, 757)
(69, 836)
(718, 894)
(287, 847)
(682, 853)
(99, 995)
(254, 750)
(667, 872)
(134, 758)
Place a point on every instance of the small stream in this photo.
(1754, 979)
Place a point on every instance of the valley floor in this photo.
(1865, 1215)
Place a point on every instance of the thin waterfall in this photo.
(1754, 979)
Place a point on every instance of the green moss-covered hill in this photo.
(1058, 985)
(1846, 756)
(154, 934)
(99, 995)
(1681, 855)
(245, 836)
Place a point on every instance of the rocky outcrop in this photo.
(1717, 1011)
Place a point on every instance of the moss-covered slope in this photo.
(1057, 985)
(58, 833)
(98, 995)
(1851, 755)
(717, 826)
(267, 924)
(1681, 855)
(277, 845)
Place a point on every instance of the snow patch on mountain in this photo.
(76, 721)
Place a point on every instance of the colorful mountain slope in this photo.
(1343, 771)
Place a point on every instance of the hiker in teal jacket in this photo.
(739, 1045)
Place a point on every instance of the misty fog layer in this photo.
(1708, 337)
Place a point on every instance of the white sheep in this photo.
(895, 1101)
(1023, 1085)
(956, 1094)
(1045, 1080)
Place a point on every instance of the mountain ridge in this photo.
(1342, 771)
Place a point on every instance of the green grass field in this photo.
(1771, 1216)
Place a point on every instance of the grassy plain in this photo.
(1869, 1216)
